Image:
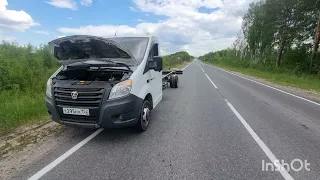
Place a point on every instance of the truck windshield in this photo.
(136, 45)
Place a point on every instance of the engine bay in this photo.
(113, 76)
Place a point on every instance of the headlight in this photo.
(121, 89)
(48, 91)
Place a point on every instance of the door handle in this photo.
(150, 80)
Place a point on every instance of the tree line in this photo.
(23, 75)
(176, 59)
(282, 34)
(22, 70)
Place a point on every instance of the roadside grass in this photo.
(177, 66)
(27, 107)
(21, 109)
(306, 82)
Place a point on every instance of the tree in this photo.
(316, 43)
(278, 33)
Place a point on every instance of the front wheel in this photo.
(145, 116)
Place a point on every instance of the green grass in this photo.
(177, 66)
(23, 107)
(19, 109)
(176, 60)
(302, 81)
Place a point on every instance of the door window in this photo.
(150, 63)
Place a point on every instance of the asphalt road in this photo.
(226, 128)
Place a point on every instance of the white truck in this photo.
(106, 82)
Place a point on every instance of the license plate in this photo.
(76, 111)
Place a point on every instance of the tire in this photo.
(142, 125)
(176, 81)
(172, 82)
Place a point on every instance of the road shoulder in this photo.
(28, 144)
(308, 94)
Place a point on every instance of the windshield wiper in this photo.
(99, 64)
(86, 64)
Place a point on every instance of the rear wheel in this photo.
(145, 116)
(174, 81)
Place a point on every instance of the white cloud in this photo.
(185, 27)
(42, 32)
(132, 9)
(8, 38)
(86, 2)
(69, 4)
(69, 18)
(175, 8)
(103, 30)
(14, 20)
(140, 20)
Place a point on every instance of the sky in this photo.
(195, 26)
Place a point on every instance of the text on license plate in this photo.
(76, 111)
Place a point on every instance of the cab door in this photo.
(154, 80)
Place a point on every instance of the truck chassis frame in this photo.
(170, 78)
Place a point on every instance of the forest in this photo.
(277, 36)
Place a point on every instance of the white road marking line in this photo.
(212, 82)
(54, 163)
(269, 86)
(186, 66)
(200, 68)
(263, 146)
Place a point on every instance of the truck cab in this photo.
(105, 82)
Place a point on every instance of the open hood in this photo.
(80, 48)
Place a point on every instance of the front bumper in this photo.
(116, 113)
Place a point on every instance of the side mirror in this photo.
(156, 64)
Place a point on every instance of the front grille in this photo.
(89, 98)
